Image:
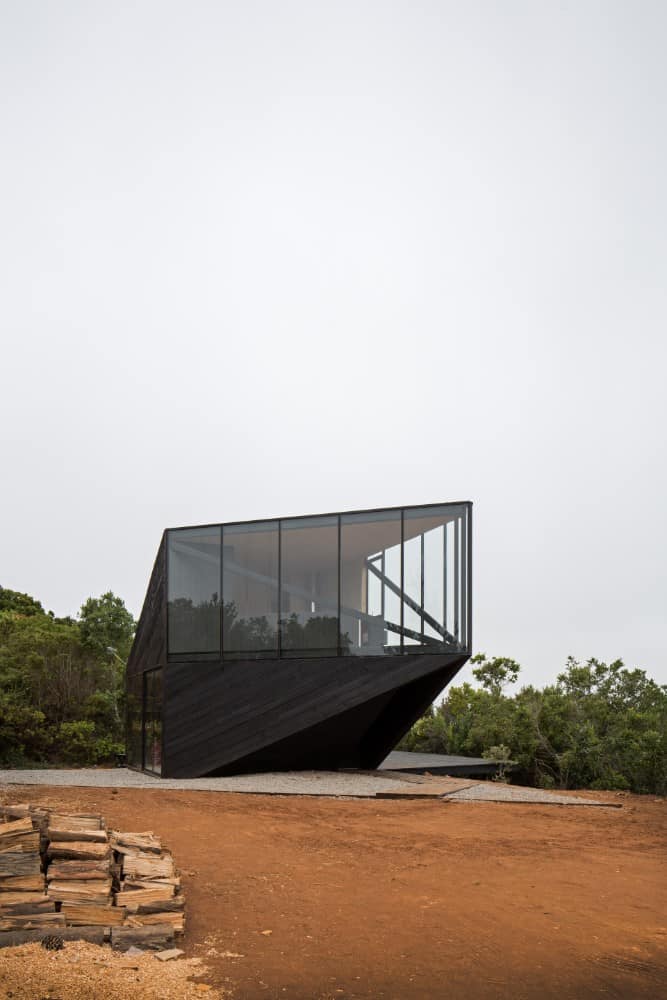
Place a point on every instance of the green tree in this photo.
(22, 604)
(106, 626)
(599, 726)
(495, 673)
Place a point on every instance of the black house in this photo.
(297, 643)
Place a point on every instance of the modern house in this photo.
(297, 643)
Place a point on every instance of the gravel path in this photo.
(330, 783)
(493, 791)
(287, 783)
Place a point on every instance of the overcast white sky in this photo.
(272, 258)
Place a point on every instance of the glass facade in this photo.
(309, 586)
(250, 588)
(369, 583)
(193, 590)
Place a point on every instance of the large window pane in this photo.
(250, 588)
(309, 586)
(370, 580)
(194, 590)
(433, 578)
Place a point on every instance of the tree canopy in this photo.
(599, 726)
(61, 690)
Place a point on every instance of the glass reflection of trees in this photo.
(196, 626)
(256, 635)
(368, 583)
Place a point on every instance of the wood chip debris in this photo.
(81, 971)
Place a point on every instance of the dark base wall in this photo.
(267, 715)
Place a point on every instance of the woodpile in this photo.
(69, 875)
(23, 904)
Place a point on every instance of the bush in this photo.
(76, 742)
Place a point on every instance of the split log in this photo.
(11, 939)
(162, 906)
(25, 898)
(81, 836)
(81, 821)
(27, 922)
(17, 909)
(19, 863)
(78, 850)
(156, 936)
(26, 843)
(14, 826)
(21, 883)
(68, 871)
(144, 866)
(175, 920)
(17, 811)
(134, 898)
(126, 843)
(96, 893)
(79, 914)
(18, 836)
(153, 883)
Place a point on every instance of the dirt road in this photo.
(301, 898)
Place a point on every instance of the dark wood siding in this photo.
(219, 714)
(150, 642)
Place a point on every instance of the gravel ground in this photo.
(288, 783)
(493, 791)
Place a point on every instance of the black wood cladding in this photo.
(150, 642)
(218, 714)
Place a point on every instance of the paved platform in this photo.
(437, 763)
(336, 784)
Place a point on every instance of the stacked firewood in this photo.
(149, 885)
(79, 874)
(69, 874)
(23, 904)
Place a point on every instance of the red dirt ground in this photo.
(409, 899)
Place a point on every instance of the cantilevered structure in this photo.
(297, 643)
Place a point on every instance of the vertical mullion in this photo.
(280, 587)
(338, 642)
(421, 602)
(444, 573)
(469, 577)
(383, 569)
(457, 575)
(401, 647)
(222, 591)
(464, 580)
